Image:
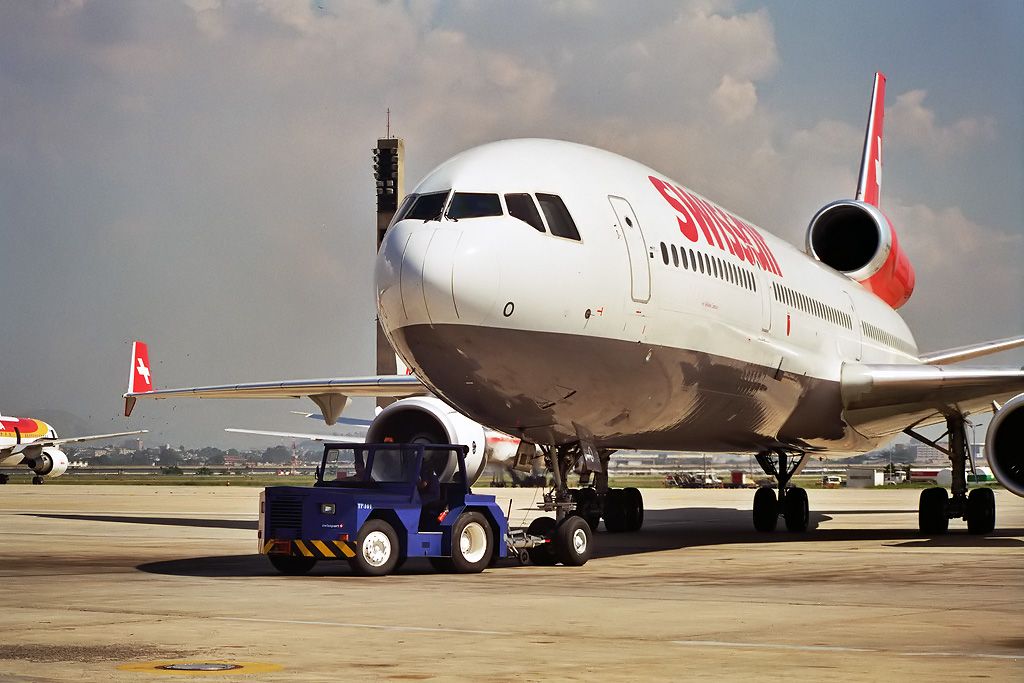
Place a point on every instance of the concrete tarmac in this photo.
(108, 582)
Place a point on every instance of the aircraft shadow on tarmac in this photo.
(673, 529)
(160, 521)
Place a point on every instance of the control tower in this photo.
(389, 179)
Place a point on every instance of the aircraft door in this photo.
(850, 341)
(764, 283)
(636, 248)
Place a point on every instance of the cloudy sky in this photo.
(197, 173)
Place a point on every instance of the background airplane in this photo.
(34, 444)
(585, 303)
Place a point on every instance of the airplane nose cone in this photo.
(435, 274)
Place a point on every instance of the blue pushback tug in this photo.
(377, 505)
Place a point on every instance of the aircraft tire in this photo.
(573, 541)
(542, 555)
(615, 518)
(587, 506)
(981, 511)
(38, 480)
(634, 503)
(795, 510)
(766, 509)
(931, 511)
(291, 565)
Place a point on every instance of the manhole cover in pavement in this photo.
(199, 666)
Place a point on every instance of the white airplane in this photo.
(34, 444)
(585, 303)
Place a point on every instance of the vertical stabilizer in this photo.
(869, 184)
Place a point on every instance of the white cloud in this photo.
(734, 99)
(909, 122)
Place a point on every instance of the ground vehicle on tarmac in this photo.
(376, 505)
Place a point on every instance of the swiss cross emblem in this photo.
(143, 371)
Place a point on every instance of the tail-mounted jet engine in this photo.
(1004, 445)
(427, 419)
(858, 240)
(48, 462)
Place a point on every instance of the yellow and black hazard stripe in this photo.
(317, 549)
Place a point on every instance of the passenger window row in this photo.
(698, 261)
(883, 337)
(810, 305)
(464, 205)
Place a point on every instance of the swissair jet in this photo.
(584, 303)
(34, 444)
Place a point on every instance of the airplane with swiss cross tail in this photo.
(583, 303)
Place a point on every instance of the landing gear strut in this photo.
(791, 503)
(936, 507)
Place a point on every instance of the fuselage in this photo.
(669, 323)
(17, 432)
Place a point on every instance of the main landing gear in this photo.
(936, 507)
(791, 503)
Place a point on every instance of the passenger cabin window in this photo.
(428, 207)
(559, 221)
(664, 253)
(521, 206)
(474, 205)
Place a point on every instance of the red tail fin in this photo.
(140, 378)
(869, 185)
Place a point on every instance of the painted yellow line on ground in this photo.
(376, 627)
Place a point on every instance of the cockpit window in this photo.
(559, 221)
(403, 209)
(428, 207)
(474, 205)
(521, 206)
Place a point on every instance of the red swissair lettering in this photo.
(720, 229)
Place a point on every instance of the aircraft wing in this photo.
(973, 351)
(332, 395)
(288, 435)
(886, 399)
(42, 443)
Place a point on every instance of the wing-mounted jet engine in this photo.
(853, 236)
(1004, 443)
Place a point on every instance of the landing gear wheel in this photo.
(981, 511)
(471, 543)
(572, 541)
(615, 520)
(542, 555)
(292, 565)
(3, 478)
(377, 549)
(931, 511)
(766, 509)
(37, 479)
(634, 503)
(795, 510)
(587, 506)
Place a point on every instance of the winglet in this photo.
(140, 376)
(869, 183)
